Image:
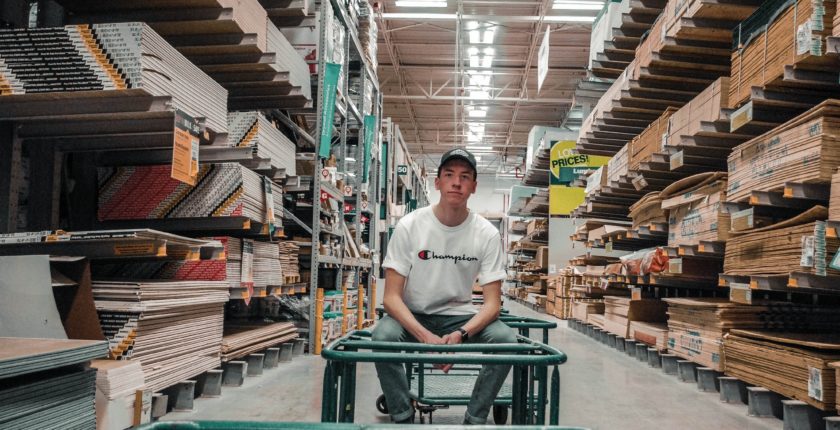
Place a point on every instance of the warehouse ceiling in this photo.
(464, 73)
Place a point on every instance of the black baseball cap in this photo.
(458, 154)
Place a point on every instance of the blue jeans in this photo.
(392, 377)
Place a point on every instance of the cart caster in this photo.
(381, 406)
(500, 415)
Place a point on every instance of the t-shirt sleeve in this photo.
(398, 256)
(492, 262)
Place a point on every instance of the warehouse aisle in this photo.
(601, 389)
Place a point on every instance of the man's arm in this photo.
(396, 308)
(488, 313)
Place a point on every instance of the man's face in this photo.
(456, 182)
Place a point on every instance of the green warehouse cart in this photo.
(529, 395)
(246, 425)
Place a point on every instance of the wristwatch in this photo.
(464, 334)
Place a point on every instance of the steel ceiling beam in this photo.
(395, 63)
(558, 101)
(443, 17)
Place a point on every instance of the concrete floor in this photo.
(601, 388)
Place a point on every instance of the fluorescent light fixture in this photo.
(478, 113)
(487, 61)
(472, 25)
(480, 80)
(472, 51)
(479, 95)
(577, 5)
(475, 36)
(350, 159)
(489, 51)
(489, 35)
(565, 18)
(475, 61)
(421, 3)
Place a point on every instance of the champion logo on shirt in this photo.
(431, 255)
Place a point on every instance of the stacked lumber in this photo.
(803, 150)
(650, 333)
(252, 129)
(121, 56)
(695, 209)
(242, 339)
(289, 262)
(696, 325)
(263, 262)
(596, 319)
(173, 328)
(117, 383)
(149, 192)
(780, 34)
(620, 311)
(835, 365)
(44, 383)
(796, 245)
(606, 27)
(834, 201)
(691, 19)
(618, 166)
(650, 141)
(582, 308)
(596, 180)
(648, 210)
(706, 107)
(795, 365)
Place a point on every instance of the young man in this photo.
(434, 256)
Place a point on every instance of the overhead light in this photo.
(472, 50)
(565, 18)
(475, 61)
(479, 95)
(478, 113)
(478, 147)
(350, 159)
(421, 3)
(489, 35)
(487, 61)
(475, 36)
(489, 51)
(577, 5)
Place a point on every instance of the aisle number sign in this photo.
(402, 169)
(566, 164)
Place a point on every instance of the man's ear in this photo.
(437, 183)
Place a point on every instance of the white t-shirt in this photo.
(441, 263)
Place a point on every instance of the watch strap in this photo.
(464, 334)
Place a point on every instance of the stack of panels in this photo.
(805, 149)
(652, 334)
(695, 209)
(794, 365)
(149, 192)
(834, 201)
(109, 57)
(649, 141)
(289, 261)
(780, 249)
(582, 308)
(647, 210)
(620, 311)
(779, 34)
(266, 263)
(241, 340)
(117, 382)
(174, 329)
(696, 325)
(254, 130)
(618, 166)
(705, 19)
(42, 385)
(708, 106)
(605, 27)
(288, 60)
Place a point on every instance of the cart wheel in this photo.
(500, 415)
(381, 406)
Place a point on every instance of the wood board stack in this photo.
(649, 142)
(242, 339)
(618, 166)
(110, 57)
(263, 262)
(805, 149)
(796, 245)
(834, 200)
(620, 311)
(173, 328)
(650, 333)
(695, 209)
(780, 34)
(582, 308)
(696, 325)
(706, 107)
(595, 319)
(44, 383)
(117, 383)
(794, 365)
(289, 261)
(706, 20)
(648, 210)
(149, 192)
(252, 129)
